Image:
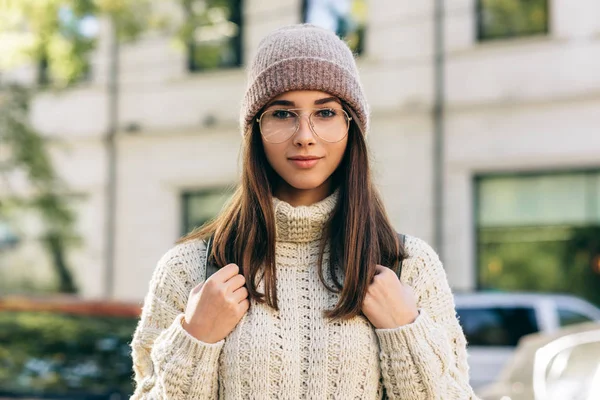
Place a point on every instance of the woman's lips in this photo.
(304, 162)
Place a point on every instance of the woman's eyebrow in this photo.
(327, 100)
(286, 103)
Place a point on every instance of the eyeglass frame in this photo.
(310, 123)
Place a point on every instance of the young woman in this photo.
(307, 303)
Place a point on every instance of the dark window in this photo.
(213, 33)
(201, 206)
(511, 18)
(497, 326)
(569, 317)
(347, 18)
(54, 355)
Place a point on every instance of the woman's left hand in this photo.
(389, 303)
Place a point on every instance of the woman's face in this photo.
(306, 159)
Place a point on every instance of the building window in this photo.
(201, 206)
(539, 232)
(213, 34)
(498, 19)
(347, 18)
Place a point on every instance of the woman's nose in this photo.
(305, 135)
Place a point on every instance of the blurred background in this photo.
(119, 133)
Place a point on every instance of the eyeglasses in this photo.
(329, 124)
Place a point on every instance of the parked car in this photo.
(564, 365)
(495, 322)
(65, 348)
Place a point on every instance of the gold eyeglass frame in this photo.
(310, 122)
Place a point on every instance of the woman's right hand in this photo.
(216, 306)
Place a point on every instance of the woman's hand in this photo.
(216, 306)
(389, 303)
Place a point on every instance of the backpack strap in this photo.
(403, 241)
(211, 268)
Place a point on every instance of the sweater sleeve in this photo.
(168, 362)
(426, 359)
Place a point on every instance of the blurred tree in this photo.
(58, 35)
(522, 258)
(23, 150)
(582, 275)
(542, 259)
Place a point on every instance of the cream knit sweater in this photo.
(296, 353)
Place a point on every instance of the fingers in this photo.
(236, 282)
(384, 274)
(226, 273)
(239, 295)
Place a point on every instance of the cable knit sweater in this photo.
(296, 353)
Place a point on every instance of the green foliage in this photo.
(541, 259)
(582, 275)
(27, 146)
(50, 34)
(64, 354)
(25, 151)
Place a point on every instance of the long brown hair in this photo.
(359, 232)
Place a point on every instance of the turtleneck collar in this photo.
(302, 223)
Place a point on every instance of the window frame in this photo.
(477, 177)
(482, 38)
(187, 194)
(237, 43)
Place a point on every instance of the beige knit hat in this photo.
(302, 57)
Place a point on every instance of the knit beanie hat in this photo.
(302, 57)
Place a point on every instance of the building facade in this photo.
(521, 165)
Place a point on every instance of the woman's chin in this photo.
(301, 184)
(306, 186)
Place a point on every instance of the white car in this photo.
(564, 365)
(495, 322)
